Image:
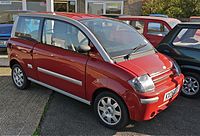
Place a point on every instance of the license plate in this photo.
(3, 43)
(171, 93)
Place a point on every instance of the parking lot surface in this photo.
(66, 116)
(20, 111)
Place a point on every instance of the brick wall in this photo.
(132, 7)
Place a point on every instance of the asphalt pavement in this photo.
(20, 111)
(66, 116)
(4, 60)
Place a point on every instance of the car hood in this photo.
(150, 64)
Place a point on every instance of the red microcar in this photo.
(102, 62)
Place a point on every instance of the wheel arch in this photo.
(101, 90)
(13, 62)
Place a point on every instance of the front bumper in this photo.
(148, 106)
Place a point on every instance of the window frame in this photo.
(39, 31)
(89, 41)
(76, 4)
(156, 22)
(140, 21)
(104, 2)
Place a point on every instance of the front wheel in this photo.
(19, 77)
(111, 110)
(191, 86)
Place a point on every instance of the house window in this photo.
(65, 5)
(36, 5)
(114, 8)
(8, 5)
(104, 7)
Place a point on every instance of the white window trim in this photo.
(104, 5)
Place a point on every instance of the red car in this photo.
(153, 28)
(98, 61)
(195, 19)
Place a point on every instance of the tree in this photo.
(172, 8)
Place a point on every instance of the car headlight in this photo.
(142, 84)
(177, 68)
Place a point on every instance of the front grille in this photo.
(160, 77)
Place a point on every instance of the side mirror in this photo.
(84, 48)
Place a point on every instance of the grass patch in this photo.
(37, 132)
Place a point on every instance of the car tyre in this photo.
(111, 111)
(19, 77)
(191, 86)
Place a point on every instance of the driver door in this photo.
(58, 62)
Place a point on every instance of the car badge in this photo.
(164, 67)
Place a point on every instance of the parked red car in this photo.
(195, 19)
(98, 61)
(153, 28)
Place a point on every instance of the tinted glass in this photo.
(188, 38)
(63, 35)
(28, 27)
(116, 37)
(157, 29)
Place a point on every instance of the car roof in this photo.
(75, 16)
(150, 18)
(195, 17)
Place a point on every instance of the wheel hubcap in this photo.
(190, 86)
(18, 76)
(109, 110)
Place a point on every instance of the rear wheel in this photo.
(111, 111)
(19, 77)
(191, 86)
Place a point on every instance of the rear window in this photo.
(157, 29)
(5, 30)
(28, 28)
(188, 38)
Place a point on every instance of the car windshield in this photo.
(117, 38)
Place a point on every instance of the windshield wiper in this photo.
(134, 50)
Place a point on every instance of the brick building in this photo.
(131, 7)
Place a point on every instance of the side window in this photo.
(188, 38)
(29, 28)
(63, 35)
(157, 29)
(138, 25)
